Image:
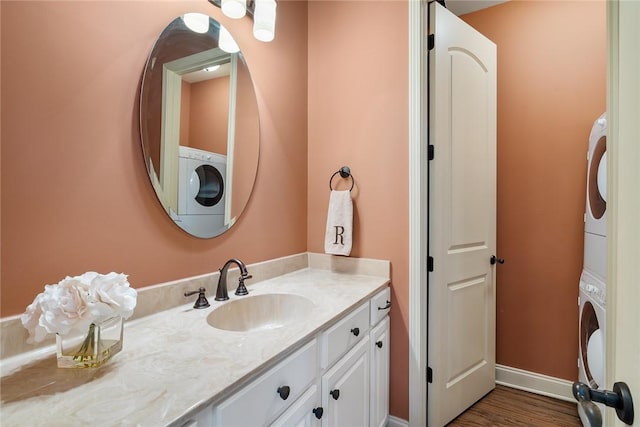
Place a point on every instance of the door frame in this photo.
(623, 178)
(621, 29)
(418, 208)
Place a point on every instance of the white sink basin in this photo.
(260, 312)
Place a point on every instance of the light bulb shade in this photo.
(196, 22)
(226, 41)
(234, 8)
(264, 20)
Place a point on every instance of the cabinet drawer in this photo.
(260, 402)
(380, 305)
(338, 339)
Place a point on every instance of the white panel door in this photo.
(462, 211)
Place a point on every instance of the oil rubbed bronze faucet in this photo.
(222, 293)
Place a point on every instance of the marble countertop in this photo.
(172, 363)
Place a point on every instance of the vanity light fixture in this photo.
(196, 22)
(212, 68)
(263, 13)
(226, 41)
(235, 9)
(264, 20)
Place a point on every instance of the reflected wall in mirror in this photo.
(199, 126)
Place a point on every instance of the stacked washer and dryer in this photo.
(201, 191)
(593, 281)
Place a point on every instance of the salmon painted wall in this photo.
(247, 129)
(75, 193)
(358, 116)
(551, 88)
(209, 121)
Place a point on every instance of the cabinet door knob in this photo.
(355, 331)
(379, 344)
(386, 306)
(335, 394)
(284, 391)
(318, 412)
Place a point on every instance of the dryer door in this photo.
(206, 187)
(597, 180)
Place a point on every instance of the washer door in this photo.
(206, 187)
(589, 335)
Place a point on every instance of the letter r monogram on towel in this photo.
(339, 234)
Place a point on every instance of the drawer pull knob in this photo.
(386, 307)
(355, 331)
(379, 344)
(335, 394)
(318, 412)
(284, 391)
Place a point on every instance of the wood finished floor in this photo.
(506, 406)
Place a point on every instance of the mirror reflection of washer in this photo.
(201, 189)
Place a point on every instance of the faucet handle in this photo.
(242, 289)
(201, 302)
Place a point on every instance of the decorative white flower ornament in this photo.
(77, 302)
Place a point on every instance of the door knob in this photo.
(495, 259)
(619, 398)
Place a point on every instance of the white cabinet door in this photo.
(345, 389)
(305, 412)
(380, 374)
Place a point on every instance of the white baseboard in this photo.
(534, 383)
(397, 422)
(521, 380)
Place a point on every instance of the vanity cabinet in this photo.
(339, 378)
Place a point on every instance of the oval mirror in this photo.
(199, 125)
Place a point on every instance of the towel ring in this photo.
(345, 173)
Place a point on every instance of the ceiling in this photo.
(461, 7)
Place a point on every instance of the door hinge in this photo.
(431, 41)
(431, 152)
(430, 263)
(429, 375)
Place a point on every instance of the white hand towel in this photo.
(338, 235)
